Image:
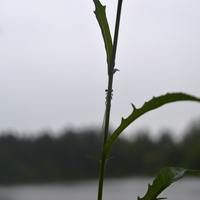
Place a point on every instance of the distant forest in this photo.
(46, 158)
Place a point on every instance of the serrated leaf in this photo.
(164, 179)
(105, 30)
(154, 103)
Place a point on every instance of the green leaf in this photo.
(105, 30)
(93, 157)
(164, 179)
(148, 106)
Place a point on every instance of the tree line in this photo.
(68, 157)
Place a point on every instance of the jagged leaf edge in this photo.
(164, 179)
(104, 26)
(154, 103)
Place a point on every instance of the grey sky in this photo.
(53, 65)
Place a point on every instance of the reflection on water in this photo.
(115, 189)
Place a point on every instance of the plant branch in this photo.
(108, 100)
(111, 73)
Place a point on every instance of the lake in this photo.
(115, 189)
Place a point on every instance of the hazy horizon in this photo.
(53, 66)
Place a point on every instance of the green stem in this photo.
(108, 101)
(111, 73)
(112, 63)
(101, 177)
(108, 107)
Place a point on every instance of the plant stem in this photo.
(107, 111)
(111, 73)
(108, 101)
(101, 177)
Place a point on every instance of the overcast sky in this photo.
(53, 71)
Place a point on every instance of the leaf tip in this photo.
(134, 108)
(93, 157)
(122, 120)
(115, 70)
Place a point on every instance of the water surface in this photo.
(115, 189)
